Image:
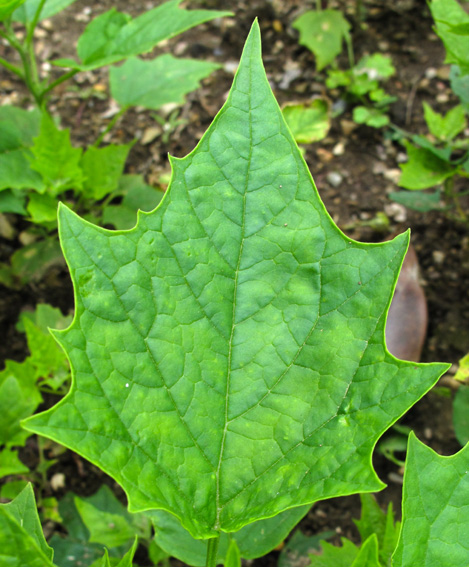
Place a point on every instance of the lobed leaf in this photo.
(308, 122)
(435, 509)
(162, 80)
(448, 126)
(114, 36)
(228, 353)
(102, 169)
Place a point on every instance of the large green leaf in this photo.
(228, 352)
(114, 36)
(26, 12)
(22, 542)
(153, 83)
(435, 509)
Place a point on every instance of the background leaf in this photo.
(228, 352)
(162, 80)
(25, 13)
(461, 414)
(323, 33)
(308, 122)
(254, 540)
(448, 13)
(102, 169)
(435, 509)
(7, 7)
(424, 169)
(17, 130)
(55, 158)
(114, 36)
(136, 195)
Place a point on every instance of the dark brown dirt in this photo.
(366, 165)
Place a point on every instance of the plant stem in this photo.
(212, 549)
(109, 127)
(60, 80)
(33, 24)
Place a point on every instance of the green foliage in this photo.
(435, 512)
(21, 539)
(298, 547)
(114, 36)
(254, 540)
(39, 164)
(308, 122)
(162, 80)
(231, 345)
(7, 7)
(461, 414)
(452, 25)
(323, 32)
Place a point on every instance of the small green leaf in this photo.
(25, 13)
(461, 414)
(7, 7)
(136, 195)
(73, 548)
(298, 547)
(449, 13)
(308, 122)
(55, 158)
(233, 556)
(463, 369)
(12, 201)
(375, 66)
(22, 542)
(43, 209)
(10, 490)
(323, 33)
(18, 385)
(368, 554)
(448, 126)
(114, 36)
(424, 169)
(32, 262)
(418, 200)
(373, 117)
(435, 509)
(460, 85)
(11, 464)
(17, 129)
(228, 353)
(374, 521)
(102, 169)
(162, 80)
(333, 556)
(107, 521)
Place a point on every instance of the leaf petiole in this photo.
(212, 550)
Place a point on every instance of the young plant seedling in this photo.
(228, 354)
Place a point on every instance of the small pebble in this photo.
(438, 256)
(334, 178)
(396, 211)
(392, 175)
(430, 73)
(339, 149)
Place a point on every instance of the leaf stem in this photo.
(212, 550)
(13, 68)
(33, 24)
(109, 127)
(60, 80)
